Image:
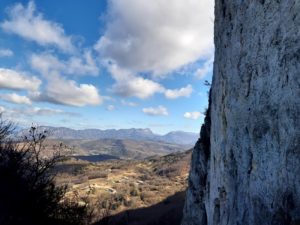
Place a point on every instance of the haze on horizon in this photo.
(106, 64)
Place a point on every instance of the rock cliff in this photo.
(246, 164)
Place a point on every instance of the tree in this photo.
(28, 194)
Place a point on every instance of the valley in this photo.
(113, 187)
(114, 176)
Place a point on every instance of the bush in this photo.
(134, 192)
(28, 194)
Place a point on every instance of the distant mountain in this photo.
(175, 137)
(180, 137)
(105, 149)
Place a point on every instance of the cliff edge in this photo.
(246, 165)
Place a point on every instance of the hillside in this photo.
(113, 187)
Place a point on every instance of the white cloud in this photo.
(157, 36)
(29, 24)
(46, 63)
(127, 103)
(192, 115)
(15, 98)
(130, 85)
(86, 65)
(176, 93)
(110, 108)
(205, 69)
(68, 92)
(159, 111)
(63, 91)
(118, 73)
(2, 109)
(6, 53)
(11, 79)
(137, 87)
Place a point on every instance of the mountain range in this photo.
(174, 137)
(105, 149)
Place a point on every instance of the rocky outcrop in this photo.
(246, 164)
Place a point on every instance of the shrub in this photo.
(28, 194)
(134, 192)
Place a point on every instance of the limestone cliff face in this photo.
(246, 164)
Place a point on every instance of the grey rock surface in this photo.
(248, 173)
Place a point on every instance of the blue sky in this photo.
(106, 64)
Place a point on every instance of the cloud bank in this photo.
(157, 36)
(68, 92)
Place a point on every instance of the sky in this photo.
(106, 64)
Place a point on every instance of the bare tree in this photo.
(28, 194)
